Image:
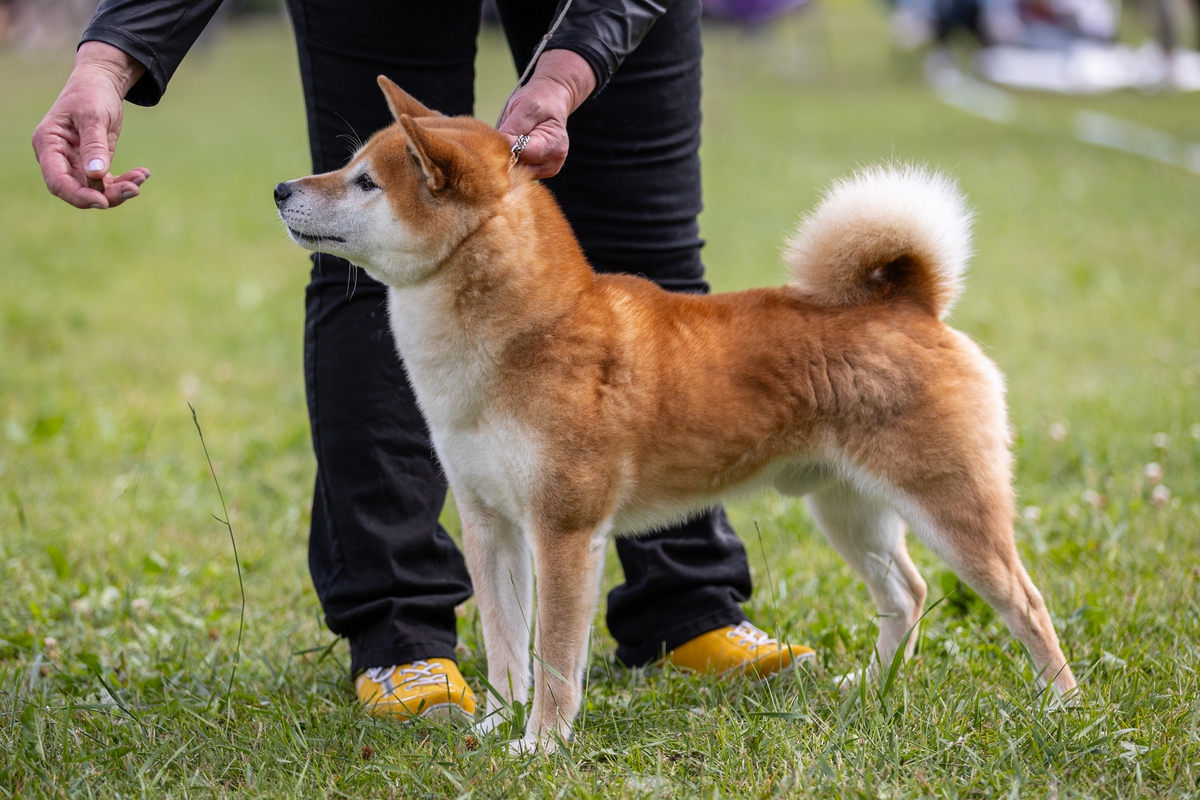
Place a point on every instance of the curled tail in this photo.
(888, 232)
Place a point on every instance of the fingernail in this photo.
(138, 181)
(95, 164)
(97, 206)
(127, 195)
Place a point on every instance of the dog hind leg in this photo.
(974, 536)
(869, 535)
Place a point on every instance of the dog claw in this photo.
(531, 746)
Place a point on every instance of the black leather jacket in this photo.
(159, 33)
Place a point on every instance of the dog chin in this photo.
(314, 241)
(331, 248)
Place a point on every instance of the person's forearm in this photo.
(604, 32)
(156, 33)
(570, 71)
(123, 68)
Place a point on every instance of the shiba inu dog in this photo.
(567, 407)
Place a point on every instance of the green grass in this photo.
(119, 602)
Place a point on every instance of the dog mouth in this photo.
(308, 238)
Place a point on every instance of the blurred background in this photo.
(1071, 125)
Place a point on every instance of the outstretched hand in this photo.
(75, 142)
(561, 81)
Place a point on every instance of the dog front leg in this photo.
(568, 567)
(497, 556)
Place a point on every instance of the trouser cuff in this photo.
(393, 656)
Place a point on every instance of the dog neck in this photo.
(522, 270)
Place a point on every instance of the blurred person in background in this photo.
(387, 574)
(43, 24)
(751, 12)
(1025, 23)
(1066, 46)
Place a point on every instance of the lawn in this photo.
(120, 603)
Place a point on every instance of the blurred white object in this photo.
(965, 92)
(1095, 19)
(912, 25)
(1130, 137)
(941, 68)
(1185, 70)
(1086, 67)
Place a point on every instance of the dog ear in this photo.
(401, 102)
(442, 160)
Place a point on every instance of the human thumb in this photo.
(93, 148)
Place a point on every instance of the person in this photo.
(387, 575)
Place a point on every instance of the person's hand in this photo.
(76, 141)
(560, 83)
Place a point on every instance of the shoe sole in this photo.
(449, 712)
(741, 668)
(800, 659)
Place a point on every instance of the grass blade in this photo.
(237, 653)
(898, 658)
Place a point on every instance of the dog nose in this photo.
(282, 192)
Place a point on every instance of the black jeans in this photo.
(387, 574)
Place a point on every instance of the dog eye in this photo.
(365, 183)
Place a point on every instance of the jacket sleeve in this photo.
(603, 32)
(158, 33)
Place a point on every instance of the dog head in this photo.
(407, 198)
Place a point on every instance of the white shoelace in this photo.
(750, 636)
(419, 673)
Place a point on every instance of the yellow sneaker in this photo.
(738, 649)
(433, 687)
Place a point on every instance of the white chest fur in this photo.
(489, 454)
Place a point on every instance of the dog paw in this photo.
(531, 745)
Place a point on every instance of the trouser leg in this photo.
(388, 576)
(631, 190)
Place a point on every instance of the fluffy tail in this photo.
(888, 232)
